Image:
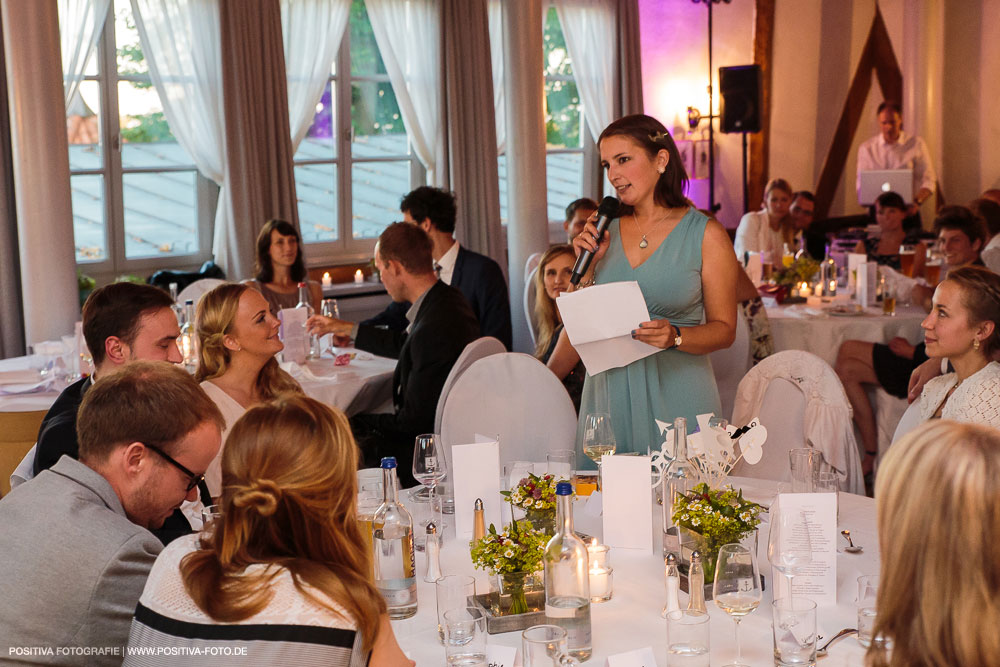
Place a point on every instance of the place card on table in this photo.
(867, 283)
(640, 657)
(475, 474)
(853, 260)
(819, 582)
(500, 656)
(293, 334)
(626, 504)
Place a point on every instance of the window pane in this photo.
(378, 188)
(557, 62)
(378, 127)
(320, 140)
(83, 127)
(564, 181)
(316, 188)
(88, 217)
(161, 216)
(129, 50)
(563, 115)
(146, 138)
(365, 57)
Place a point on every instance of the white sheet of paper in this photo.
(476, 474)
(867, 283)
(819, 583)
(500, 656)
(627, 507)
(640, 657)
(293, 334)
(599, 322)
(853, 260)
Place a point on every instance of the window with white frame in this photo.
(139, 203)
(355, 163)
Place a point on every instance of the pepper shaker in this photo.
(432, 551)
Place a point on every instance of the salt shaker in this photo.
(673, 584)
(432, 551)
(696, 584)
(478, 521)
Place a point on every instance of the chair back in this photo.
(529, 305)
(18, 432)
(513, 396)
(197, 289)
(25, 470)
(782, 412)
(909, 421)
(474, 351)
(731, 364)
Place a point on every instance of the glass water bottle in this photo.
(567, 578)
(392, 541)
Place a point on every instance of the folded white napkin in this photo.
(304, 372)
(26, 376)
(799, 310)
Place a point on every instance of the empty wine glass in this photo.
(598, 439)
(737, 587)
(429, 468)
(789, 546)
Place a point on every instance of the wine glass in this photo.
(598, 439)
(789, 546)
(737, 587)
(429, 466)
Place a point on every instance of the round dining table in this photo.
(631, 618)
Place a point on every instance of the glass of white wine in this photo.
(737, 587)
(598, 439)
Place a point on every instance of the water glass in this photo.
(829, 482)
(561, 463)
(545, 646)
(209, 514)
(688, 639)
(454, 591)
(465, 637)
(71, 357)
(794, 632)
(805, 464)
(330, 308)
(867, 596)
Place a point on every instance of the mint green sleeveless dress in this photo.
(670, 383)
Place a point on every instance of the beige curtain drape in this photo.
(258, 143)
(471, 127)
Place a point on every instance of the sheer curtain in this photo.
(408, 34)
(496, 55)
(80, 23)
(312, 31)
(182, 42)
(587, 23)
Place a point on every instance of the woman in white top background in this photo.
(768, 229)
(237, 368)
(962, 327)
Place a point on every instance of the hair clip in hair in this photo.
(658, 137)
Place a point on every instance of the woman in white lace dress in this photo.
(284, 577)
(963, 328)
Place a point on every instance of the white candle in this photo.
(327, 281)
(833, 287)
(359, 277)
(599, 554)
(600, 584)
(805, 290)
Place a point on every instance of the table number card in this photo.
(476, 474)
(628, 512)
(640, 657)
(500, 656)
(853, 260)
(819, 583)
(867, 278)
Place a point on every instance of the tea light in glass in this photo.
(600, 554)
(327, 280)
(359, 277)
(600, 583)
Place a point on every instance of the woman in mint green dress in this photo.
(685, 265)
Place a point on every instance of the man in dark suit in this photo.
(477, 276)
(441, 324)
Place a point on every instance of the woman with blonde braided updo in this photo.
(237, 338)
(287, 552)
(964, 328)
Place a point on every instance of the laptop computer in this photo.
(875, 182)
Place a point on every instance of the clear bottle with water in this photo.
(304, 302)
(678, 479)
(392, 542)
(176, 307)
(567, 578)
(189, 338)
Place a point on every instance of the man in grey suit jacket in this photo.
(75, 543)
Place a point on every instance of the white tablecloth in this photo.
(823, 334)
(631, 619)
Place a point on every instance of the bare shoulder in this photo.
(716, 237)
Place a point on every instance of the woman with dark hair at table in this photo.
(552, 279)
(884, 249)
(285, 573)
(280, 267)
(666, 245)
(237, 368)
(939, 540)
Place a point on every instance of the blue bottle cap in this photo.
(564, 489)
(389, 462)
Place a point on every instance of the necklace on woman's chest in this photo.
(643, 243)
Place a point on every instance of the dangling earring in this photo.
(975, 343)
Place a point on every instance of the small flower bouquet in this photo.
(801, 270)
(537, 497)
(513, 557)
(717, 517)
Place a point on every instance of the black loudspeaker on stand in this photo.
(739, 110)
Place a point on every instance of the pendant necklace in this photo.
(643, 243)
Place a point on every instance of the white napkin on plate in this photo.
(26, 376)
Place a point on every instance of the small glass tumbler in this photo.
(210, 514)
(829, 482)
(688, 638)
(794, 632)
(804, 463)
(465, 637)
(561, 463)
(545, 646)
(454, 591)
(867, 596)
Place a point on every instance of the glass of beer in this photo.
(906, 254)
(889, 300)
(767, 266)
(933, 272)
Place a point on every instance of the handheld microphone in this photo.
(606, 212)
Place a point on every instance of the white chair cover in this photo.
(731, 364)
(532, 263)
(529, 304)
(513, 396)
(197, 289)
(824, 420)
(474, 351)
(909, 421)
(25, 470)
(888, 411)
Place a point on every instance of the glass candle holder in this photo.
(600, 583)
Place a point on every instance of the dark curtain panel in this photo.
(11, 315)
(629, 60)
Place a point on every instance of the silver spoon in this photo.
(821, 651)
(851, 549)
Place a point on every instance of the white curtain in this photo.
(591, 37)
(496, 56)
(80, 23)
(312, 31)
(182, 44)
(408, 34)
